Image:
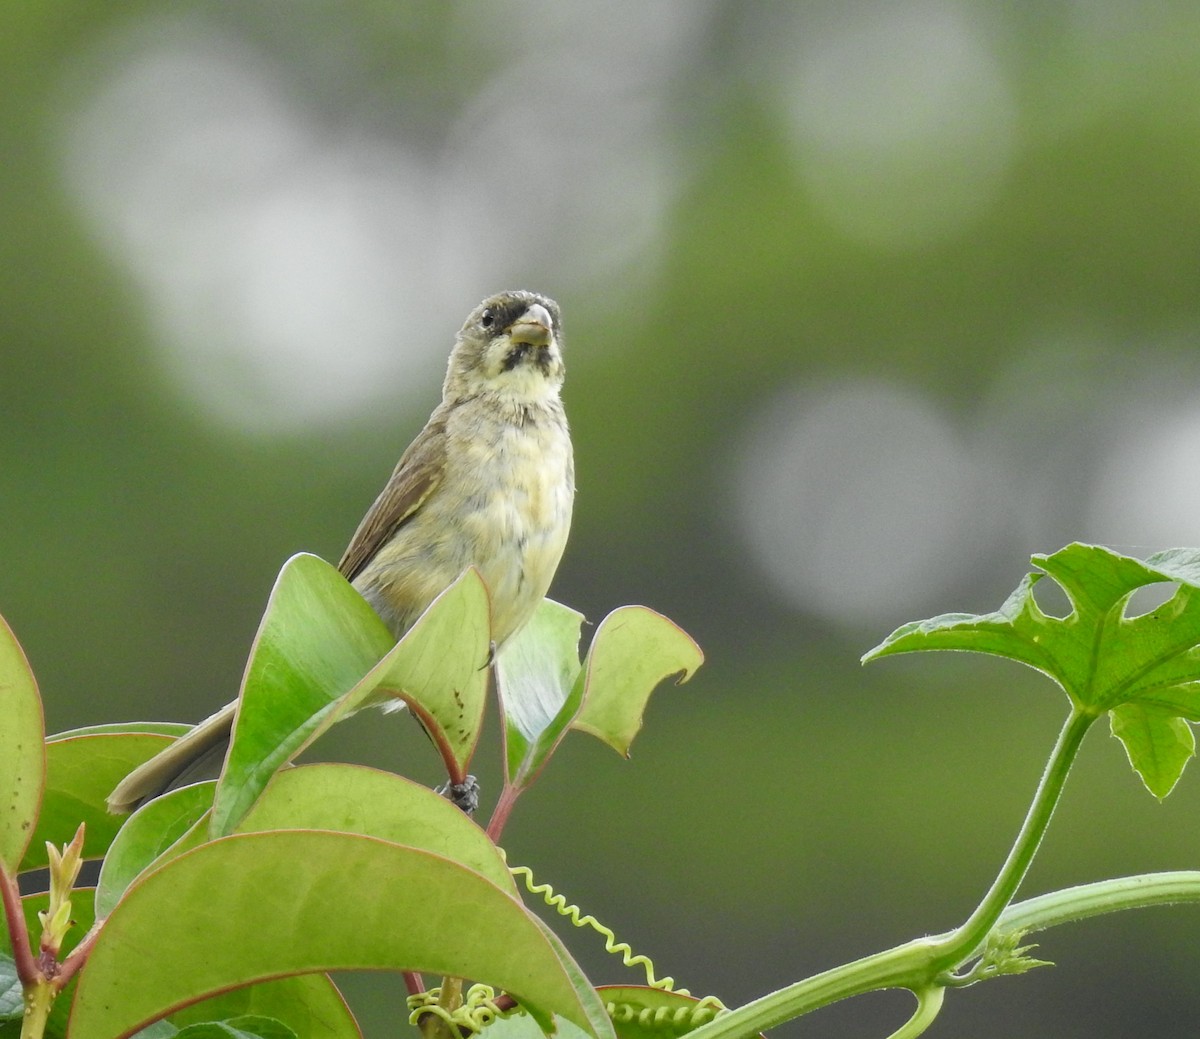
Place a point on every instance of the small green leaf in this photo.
(260, 905)
(245, 1027)
(316, 640)
(309, 1004)
(22, 754)
(146, 835)
(1158, 742)
(535, 675)
(82, 767)
(633, 651)
(354, 799)
(12, 998)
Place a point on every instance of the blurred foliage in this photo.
(140, 535)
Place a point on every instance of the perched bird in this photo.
(489, 482)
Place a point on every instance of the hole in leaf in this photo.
(1051, 598)
(1148, 598)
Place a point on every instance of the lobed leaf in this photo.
(1145, 669)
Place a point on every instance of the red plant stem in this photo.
(413, 982)
(18, 933)
(77, 958)
(504, 806)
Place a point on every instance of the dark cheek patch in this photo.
(514, 357)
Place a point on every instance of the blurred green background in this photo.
(865, 303)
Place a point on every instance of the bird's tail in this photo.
(195, 756)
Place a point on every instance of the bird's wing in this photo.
(415, 478)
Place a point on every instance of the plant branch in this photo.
(1104, 896)
(970, 936)
(929, 1004)
(77, 957)
(504, 806)
(917, 965)
(18, 933)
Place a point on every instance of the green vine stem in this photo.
(929, 1004)
(970, 936)
(917, 965)
(1096, 899)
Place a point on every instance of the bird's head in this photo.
(510, 345)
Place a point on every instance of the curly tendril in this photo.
(675, 1020)
(573, 913)
(478, 1009)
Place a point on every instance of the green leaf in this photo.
(322, 653)
(81, 771)
(1098, 656)
(316, 640)
(1147, 668)
(260, 905)
(439, 669)
(22, 755)
(535, 675)
(354, 799)
(309, 1004)
(153, 829)
(12, 999)
(1158, 742)
(172, 729)
(245, 1027)
(633, 651)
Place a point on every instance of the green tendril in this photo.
(478, 1009)
(611, 945)
(675, 1020)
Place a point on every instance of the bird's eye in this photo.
(487, 318)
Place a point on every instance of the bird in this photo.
(489, 482)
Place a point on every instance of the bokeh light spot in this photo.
(858, 501)
(904, 122)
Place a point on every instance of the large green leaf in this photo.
(1147, 667)
(22, 756)
(440, 670)
(317, 638)
(322, 653)
(309, 1004)
(82, 767)
(354, 799)
(634, 649)
(260, 905)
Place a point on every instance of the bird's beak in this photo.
(532, 327)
